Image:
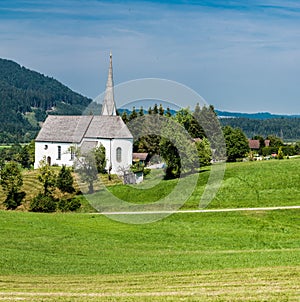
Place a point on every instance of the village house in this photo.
(61, 135)
(254, 144)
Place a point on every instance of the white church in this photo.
(59, 135)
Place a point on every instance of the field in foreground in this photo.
(235, 256)
(264, 284)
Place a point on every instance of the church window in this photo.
(46, 147)
(72, 153)
(59, 152)
(119, 154)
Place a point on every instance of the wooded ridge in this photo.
(26, 98)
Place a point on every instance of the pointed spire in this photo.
(109, 106)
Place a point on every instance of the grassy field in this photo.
(225, 256)
(237, 256)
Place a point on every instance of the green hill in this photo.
(288, 128)
(27, 97)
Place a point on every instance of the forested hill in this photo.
(286, 128)
(26, 97)
(257, 115)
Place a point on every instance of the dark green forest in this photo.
(287, 128)
(26, 97)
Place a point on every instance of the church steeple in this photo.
(109, 106)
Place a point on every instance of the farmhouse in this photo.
(60, 135)
(254, 144)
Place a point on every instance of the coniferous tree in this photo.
(141, 112)
(155, 109)
(124, 117)
(100, 158)
(161, 110)
(133, 114)
(65, 180)
(168, 112)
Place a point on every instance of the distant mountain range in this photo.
(258, 115)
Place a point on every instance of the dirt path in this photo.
(200, 211)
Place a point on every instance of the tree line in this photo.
(183, 139)
(288, 129)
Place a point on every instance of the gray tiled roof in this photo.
(105, 126)
(72, 129)
(65, 129)
(88, 146)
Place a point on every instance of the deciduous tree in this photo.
(11, 181)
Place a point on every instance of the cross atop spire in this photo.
(109, 106)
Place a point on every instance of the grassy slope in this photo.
(251, 184)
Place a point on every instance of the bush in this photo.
(71, 204)
(147, 171)
(43, 203)
(13, 200)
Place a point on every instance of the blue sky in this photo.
(238, 55)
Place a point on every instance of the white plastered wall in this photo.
(49, 151)
(111, 145)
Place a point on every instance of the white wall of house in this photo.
(50, 151)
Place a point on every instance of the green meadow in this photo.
(220, 256)
(184, 255)
(246, 184)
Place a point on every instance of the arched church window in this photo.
(119, 154)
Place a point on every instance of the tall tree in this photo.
(237, 145)
(204, 151)
(161, 110)
(100, 158)
(47, 177)
(168, 112)
(124, 117)
(155, 109)
(11, 181)
(133, 114)
(141, 112)
(275, 141)
(85, 166)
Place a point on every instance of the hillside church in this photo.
(60, 135)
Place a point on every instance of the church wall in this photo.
(111, 146)
(50, 151)
(126, 155)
